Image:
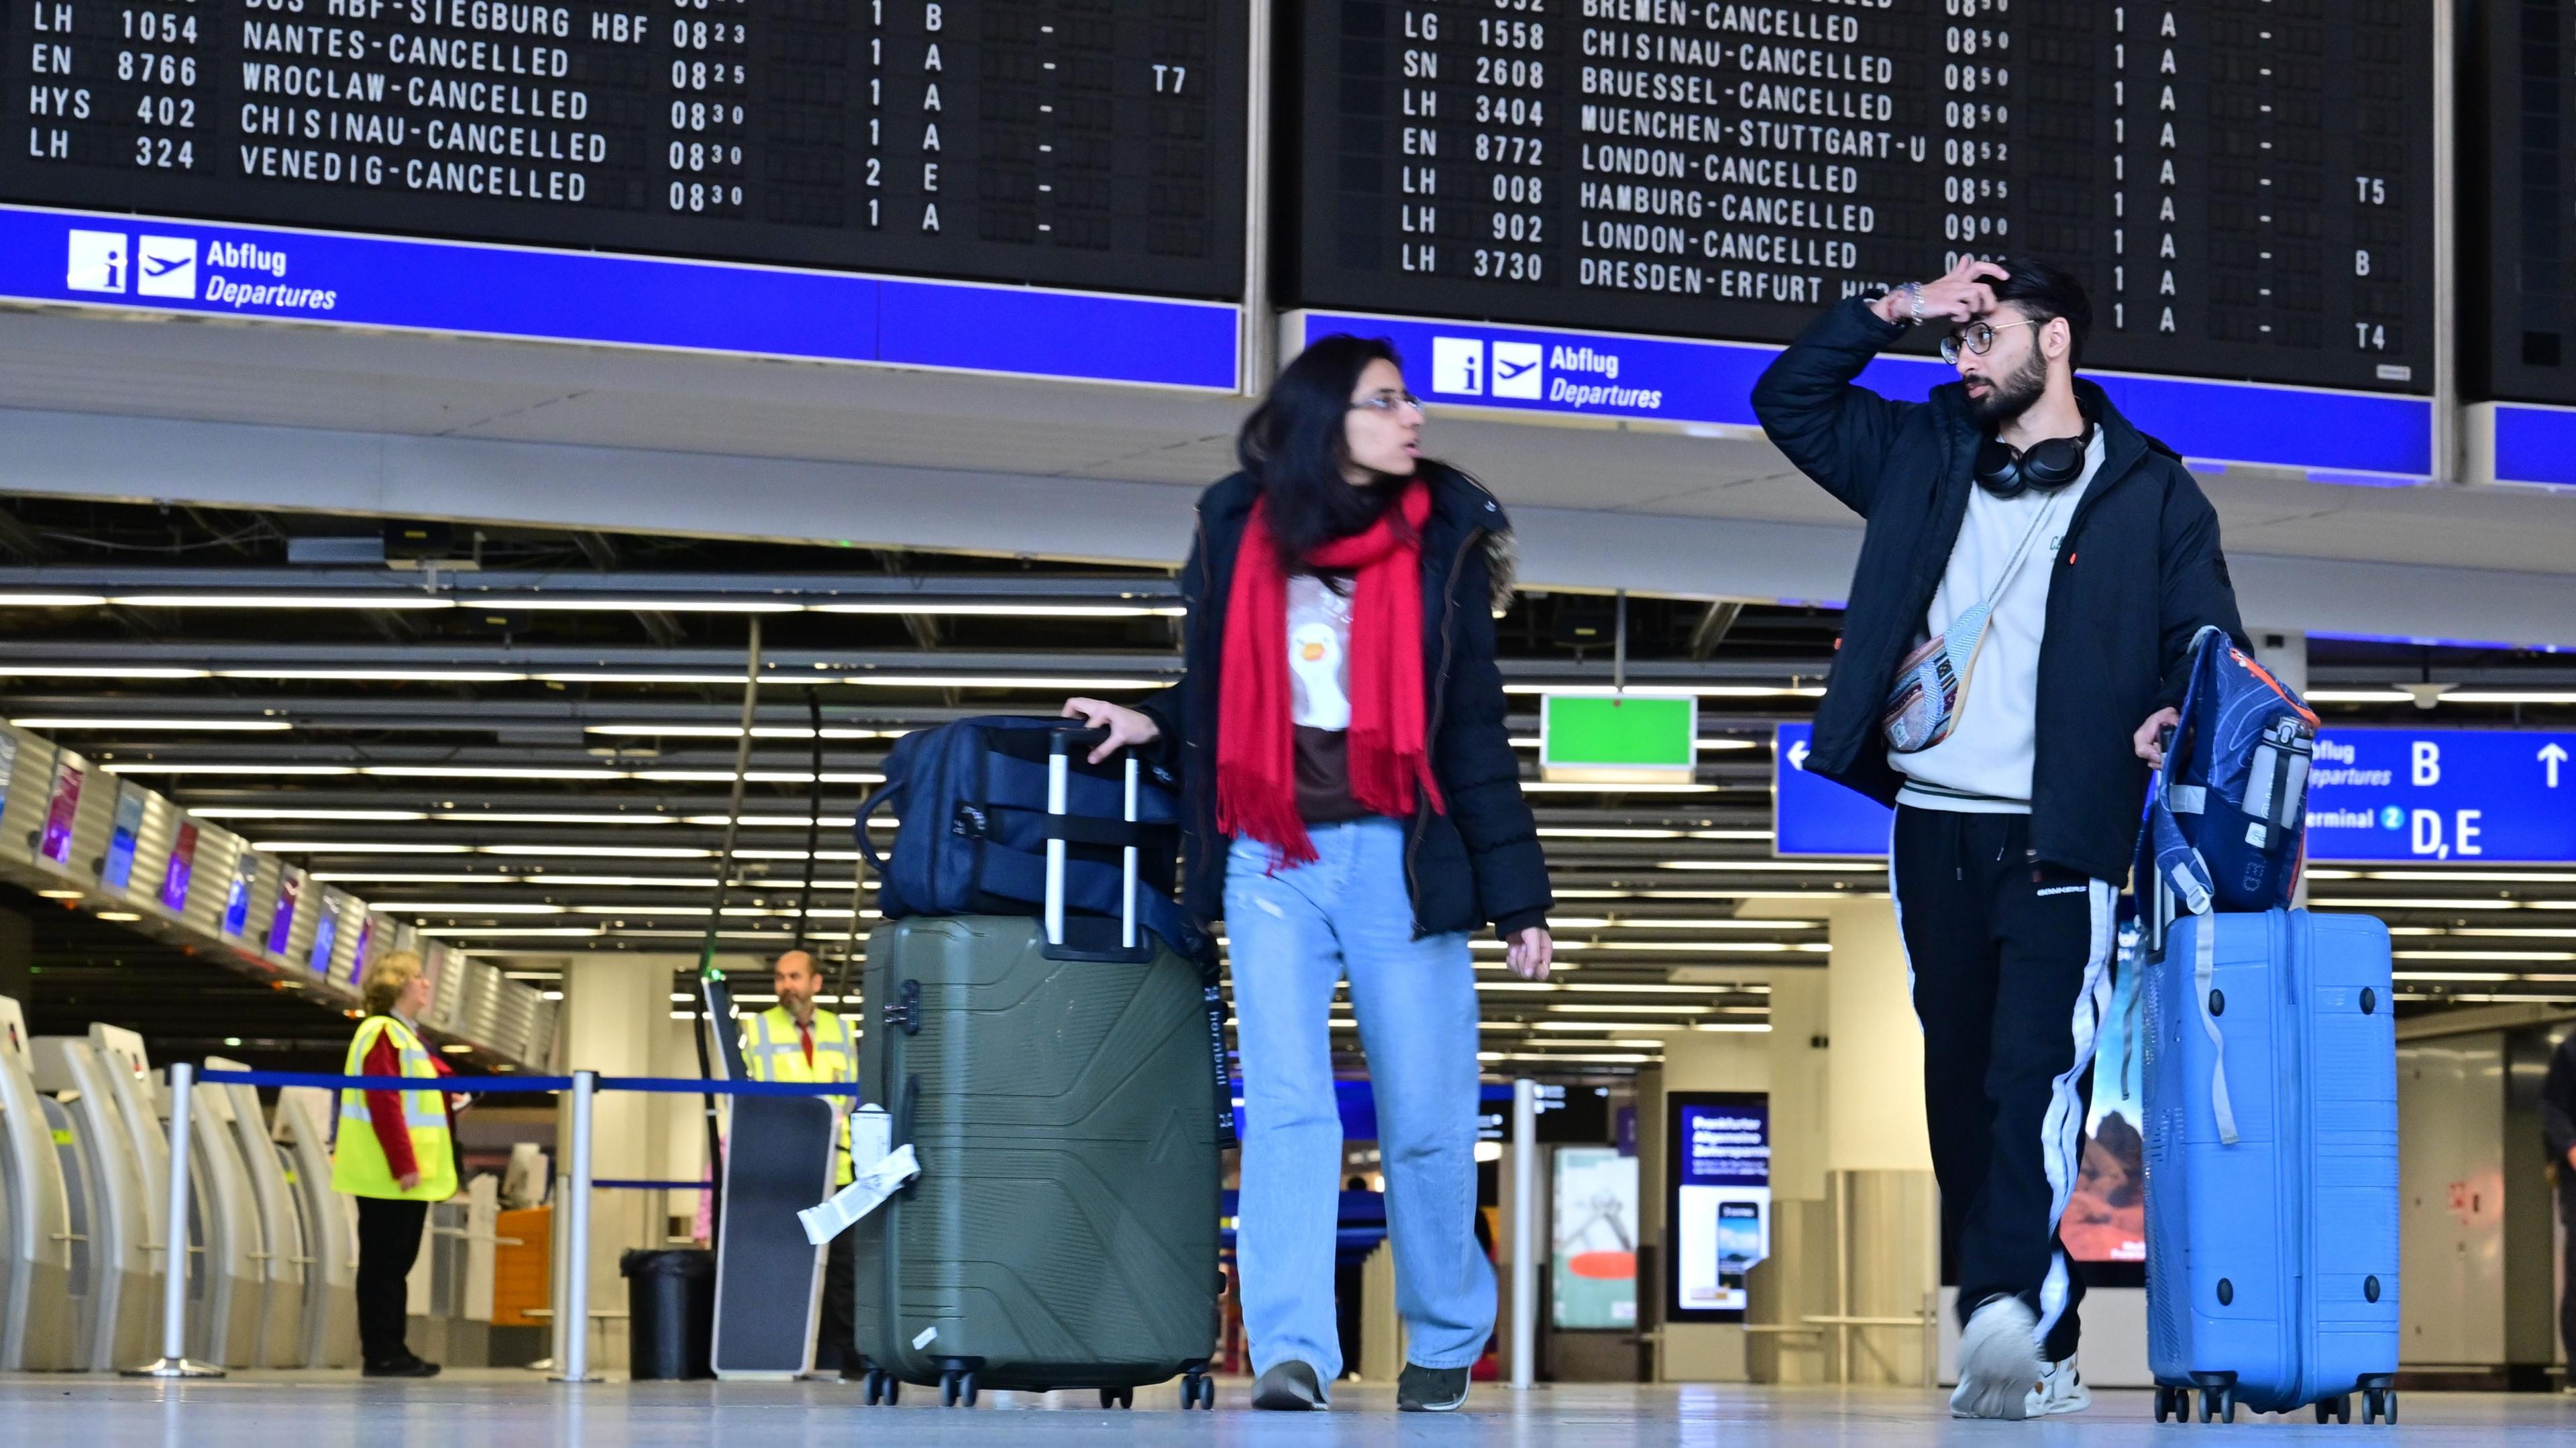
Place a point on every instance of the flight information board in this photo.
(2518, 290)
(1080, 143)
(2245, 186)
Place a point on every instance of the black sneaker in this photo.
(406, 1366)
(1431, 1390)
(1289, 1387)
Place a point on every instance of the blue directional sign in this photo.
(338, 278)
(2424, 796)
(2443, 796)
(2370, 438)
(1812, 815)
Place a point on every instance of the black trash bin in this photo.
(671, 1313)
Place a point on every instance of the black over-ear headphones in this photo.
(2048, 465)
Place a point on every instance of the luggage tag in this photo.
(881, 1176)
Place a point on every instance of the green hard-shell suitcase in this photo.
(1063, 1230)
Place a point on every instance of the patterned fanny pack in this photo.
(1931, 688)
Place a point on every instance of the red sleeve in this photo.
(385, 1108)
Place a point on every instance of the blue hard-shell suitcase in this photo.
(2271, 1156)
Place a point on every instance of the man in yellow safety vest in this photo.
(395, 1153)
(795, 1041)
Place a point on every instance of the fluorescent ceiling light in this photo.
(276, 769)
(1013, 610)
(220, 726)
(602, 852)
(562, 603)
(1818, 867)
(774, 822)
(546, 932)
(247, 812)
(390, 600)
(1717, 947)
(351, 847)
(2443, 975)
(2495, 932)
(1712, 988)
(487, 907)
(2510, 696)
(756, 776)
(2360, 696)
(464, 817)
(1520, 985)
(1639, 922)
(1570, 1058)
(993, 681)
(61, 895)
(613, 678)
(1747, 1027)
(1651, 689)
(800, 854)
(50, 600)
(2485, 955)
(374, 877)
(734, 731)
(487, 771)
(388, 676)
(2413, 903)
(118, 915)
(1540, 786)
(1578, 1007)
(2473, 877)
(99, 671)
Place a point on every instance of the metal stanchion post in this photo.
(173, 1362)
(1524, 1234)
(573, 1311)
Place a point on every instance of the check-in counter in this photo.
(39, 1317)
(278, 1340)
(115, 1267)
(303, 1131)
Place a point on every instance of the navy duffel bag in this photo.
(974, 829)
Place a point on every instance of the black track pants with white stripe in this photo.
(2011, 971)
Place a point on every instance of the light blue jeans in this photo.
(1295, 933)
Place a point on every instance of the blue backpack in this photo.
(975, 827)
(2226, 826)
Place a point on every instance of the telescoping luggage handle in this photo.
(1058, 768)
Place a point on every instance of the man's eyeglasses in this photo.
(1389, 402)
(1977, 338)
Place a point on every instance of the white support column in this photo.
(615, 1009)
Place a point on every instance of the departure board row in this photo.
(1086, 143)
(2245, 186)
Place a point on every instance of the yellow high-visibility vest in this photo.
(772, 1051)
(358, 1164)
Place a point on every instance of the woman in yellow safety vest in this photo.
(395, 1153)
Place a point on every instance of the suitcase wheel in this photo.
(2218, 1405)
(2173, 1403)
(1118, 1397)
(2379, 1405)
(957, 1387)
(1198, 1391)
(2337, 1409)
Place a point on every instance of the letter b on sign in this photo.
(2428, 763)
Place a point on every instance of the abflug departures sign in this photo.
(1080, 143)
(2245, 185)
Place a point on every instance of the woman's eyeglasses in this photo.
(1389, 402)
(1977, 338)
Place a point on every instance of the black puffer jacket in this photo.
(1479, 863)
(2139, 575)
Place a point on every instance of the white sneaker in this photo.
(1998, 1361)
(2061, 1390)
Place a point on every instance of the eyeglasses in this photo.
(1978, 338)
(1389, 402)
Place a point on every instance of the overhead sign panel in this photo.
(1619, 738)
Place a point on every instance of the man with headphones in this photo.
(2032, 574)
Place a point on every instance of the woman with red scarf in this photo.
(1352, 810)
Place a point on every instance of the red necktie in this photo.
(805, 1033)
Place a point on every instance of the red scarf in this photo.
(1256, 751)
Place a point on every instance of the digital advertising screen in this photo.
(1719, 1212)
(183, 867)
(1593, 1269)
(118, 871)
(60, 811)
(281, 923)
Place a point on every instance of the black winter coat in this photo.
(1480, 862)
(2139, 575)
